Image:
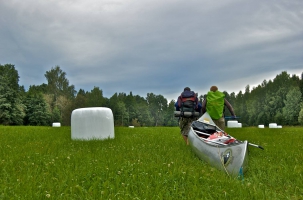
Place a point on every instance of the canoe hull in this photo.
(231, 158)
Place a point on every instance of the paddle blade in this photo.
(255, 145)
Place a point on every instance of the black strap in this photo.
(182, 111)
(194, 108)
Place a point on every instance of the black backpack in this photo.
(188, 102)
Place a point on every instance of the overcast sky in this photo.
(153, 46)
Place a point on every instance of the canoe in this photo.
(229, 154)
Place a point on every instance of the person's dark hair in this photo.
(186, 89)
(213, 88)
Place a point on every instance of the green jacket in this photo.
(215, 104)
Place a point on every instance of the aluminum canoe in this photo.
(231, 158)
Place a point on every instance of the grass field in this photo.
(143, 163)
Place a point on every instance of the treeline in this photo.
(274, 101)
(54, 102)
(278, 100)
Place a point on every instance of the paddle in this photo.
(251, 144)
(231, 117)
(216, 142)
(255, 145)
(207, 118)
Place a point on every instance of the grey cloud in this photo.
(152, 46)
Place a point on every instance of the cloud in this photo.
(152, 46)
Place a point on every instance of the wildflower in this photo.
(47, 195)
(168, 165)
(68, 157)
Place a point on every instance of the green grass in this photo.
(143, 163)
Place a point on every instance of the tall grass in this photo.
(143, 163)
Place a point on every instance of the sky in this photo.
(153, 46)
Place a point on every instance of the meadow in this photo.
(143, 163)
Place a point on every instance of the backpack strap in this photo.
(194, 108)
(182, 107)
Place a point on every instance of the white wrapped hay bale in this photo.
(272, 125)
(56, 124)
(279, 126)
(261, 126)
(131, 127)
(239, 125)
(92, 123)
(232, 124)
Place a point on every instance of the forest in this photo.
(272, 101)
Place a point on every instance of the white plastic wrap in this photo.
(92, 123)
(232, 124)
(272, 125)
(56, 124)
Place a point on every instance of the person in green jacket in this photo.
(214, 104)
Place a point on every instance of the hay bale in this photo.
(273, 125)
(232, 124)
(92, 123)
(56, 124)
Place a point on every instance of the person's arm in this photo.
(204, 106)
(177, 105)
(199, 107)
(230, 108)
